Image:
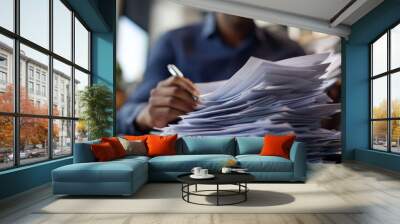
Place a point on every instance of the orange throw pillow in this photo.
(116, 145)
(135, 138)
(277, 145)
(103, 152)
(158, 145)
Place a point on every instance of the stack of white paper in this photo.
(266, 97)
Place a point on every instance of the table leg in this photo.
(217, 194)
(188, 189)
(195, 188)
(182, 190)
(245, 193)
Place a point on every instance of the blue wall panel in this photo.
(103, 66)
(379, 159)
(24, 178)
(356, 84)
(356, 100)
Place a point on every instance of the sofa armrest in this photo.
(83, 152)
(298, 156)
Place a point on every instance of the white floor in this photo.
(376, 189)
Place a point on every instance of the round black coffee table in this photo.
(238, 179)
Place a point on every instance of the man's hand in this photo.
(170, 99)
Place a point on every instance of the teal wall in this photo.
(356, 85)
(103, 64)
(99, 16)
(24, 178)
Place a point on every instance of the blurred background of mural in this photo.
(141, 23)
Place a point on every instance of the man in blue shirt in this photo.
(212, 50)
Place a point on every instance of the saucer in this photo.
(208, 176)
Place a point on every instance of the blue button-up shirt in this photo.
(202, 56)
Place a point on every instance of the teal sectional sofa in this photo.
(125, 176)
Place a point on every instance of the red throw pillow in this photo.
(161, 145)
(277, 145)
(136, 138)
(116, 145)
(103, 152)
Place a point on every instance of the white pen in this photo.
(174, 71)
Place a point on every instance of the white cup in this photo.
(203, 172)
(226, 170)
(196, 171)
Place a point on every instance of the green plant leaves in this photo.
(96, 102)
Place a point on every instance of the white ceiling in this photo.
(324, 16)
(321, 9)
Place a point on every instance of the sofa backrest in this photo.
(206, 145)
(249, 145)
(191, 146)
(83, 152)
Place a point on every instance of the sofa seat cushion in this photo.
(185, 163)
(133, 158)
(257, 163)
(112, 171)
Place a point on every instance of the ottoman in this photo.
(118, 177)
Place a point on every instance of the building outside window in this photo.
(3, 61)
(3, 72)
(30, 72)
(385, 91)
(38, 89)
(30, 87)
(44, 77)
(43, 90)
(37, 75)
(55, 97)
(57, 127)
(3, 80)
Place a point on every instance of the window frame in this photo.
(388, 74)
(16, 115)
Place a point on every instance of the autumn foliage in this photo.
(33, 131)
(380, 127)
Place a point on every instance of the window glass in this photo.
(379, 135)
(395, 95)
(379, 98)
(62, 91)
(62, 29)
(7, 14)
(395, 136)
(395, 47)
(6, 74)
(379, 56)
(81, 131)
(62, 138)
(39, 61)
(30, 87)
(6, 142)
(33, 140)
(34, 21)
(81, 82)
(81, 45)
(34, 81)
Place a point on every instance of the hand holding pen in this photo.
(174, 71)
(171, 98)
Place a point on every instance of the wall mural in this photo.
(252, 78)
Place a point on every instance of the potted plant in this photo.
(96, 110)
